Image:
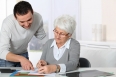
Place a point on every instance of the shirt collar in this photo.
(53, 43)
(66, 44)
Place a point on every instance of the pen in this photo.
(42, 64)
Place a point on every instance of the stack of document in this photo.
(33, 72)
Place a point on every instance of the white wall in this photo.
(9, 6)
(3, 11)
(6, 7)
(91, 14)
(51, 9)
(109, 18)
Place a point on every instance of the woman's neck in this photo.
(59, 45)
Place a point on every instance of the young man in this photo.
(16, 32)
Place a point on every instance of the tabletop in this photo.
(110, 70)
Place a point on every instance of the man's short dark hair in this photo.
(22, 8)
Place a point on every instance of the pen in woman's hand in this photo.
(42, 63)
(39, 64)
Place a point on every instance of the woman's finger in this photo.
(41, 71)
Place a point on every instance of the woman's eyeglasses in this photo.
(60, 34)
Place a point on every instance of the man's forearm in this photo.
(13, 57)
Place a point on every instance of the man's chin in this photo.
(26, 27)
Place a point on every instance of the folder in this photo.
(19, 74)
(6, 70)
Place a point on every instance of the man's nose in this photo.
(26, 24)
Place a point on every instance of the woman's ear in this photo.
(69, 35)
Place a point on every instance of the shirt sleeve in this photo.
(74, 55)
(40, 33)
(4, 42)
(62, 67)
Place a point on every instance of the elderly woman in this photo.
(62, 53)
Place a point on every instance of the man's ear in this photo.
(15, 17)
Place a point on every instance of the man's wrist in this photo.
(20, 58)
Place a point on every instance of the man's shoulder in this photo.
(37, 14)
(9, 21)
(9, 18)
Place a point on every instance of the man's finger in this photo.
(32, 68)
(26, 67)
(23, 67)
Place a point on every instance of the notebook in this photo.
(88, 73)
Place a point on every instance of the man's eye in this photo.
(30, 19)
(22, 22)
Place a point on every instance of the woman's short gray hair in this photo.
(66, 23)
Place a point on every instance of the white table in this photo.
(104, 69)
(111, 70)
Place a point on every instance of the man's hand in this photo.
(26, 64)
(47, 69)
(41, 63)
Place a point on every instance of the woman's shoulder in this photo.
(50, 41)
(74, 41)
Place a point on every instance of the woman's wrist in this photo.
(57, 68)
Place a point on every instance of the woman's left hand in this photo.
(47, 69)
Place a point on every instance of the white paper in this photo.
(29, 71)
(34, 72)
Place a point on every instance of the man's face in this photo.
(25, 20)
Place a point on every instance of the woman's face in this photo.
(61, 36)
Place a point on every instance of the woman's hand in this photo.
(41, 63)
(47, 69)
